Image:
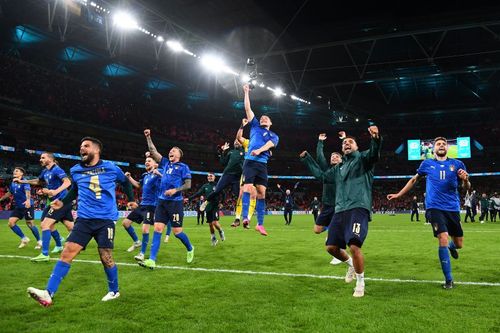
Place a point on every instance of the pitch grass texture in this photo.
(176, 300)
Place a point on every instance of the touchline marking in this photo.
(235, 271)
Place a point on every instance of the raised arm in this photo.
(268, 145)
(312, 165)
(372, 155)
(34, 181)
(320, 156)
(155, 155)
(248, 109)
(239, 134)
(132, 181)
(464, 176)
(224, 156)
(409, 185)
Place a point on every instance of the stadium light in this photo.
(125, 21)
(160, 39)
(175, 46)
(278, 92)
(216, 64)
(245, 78)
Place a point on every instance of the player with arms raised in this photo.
(442, 201)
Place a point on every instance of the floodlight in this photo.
(125, 21)
(160, 39)
(175, 46)
(245, 78)
(213, 63)
(278, 92)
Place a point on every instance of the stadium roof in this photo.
(369, 61)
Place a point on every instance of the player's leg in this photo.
(198, 217)
(168, 232)
(210, 221)
(29, 217)
(47, 225)
(253, 202)
(290, 216)
(285, 216)
(176, 211)
(355, 232)
(111, 270)
(238, 209)
(15, 228)
(455, 232)
(79, 238)
(217, 224)
(440, 230)
(137, 215)
(335, 245)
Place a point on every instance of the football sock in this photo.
(261, 210)
(57, 237)
(46, 241)
(112, 274)
(131, 232)
(155, 245)
(185, 240)
(17, 231)
(60, 270)
(444, 258)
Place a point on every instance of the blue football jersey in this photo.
(174, 175)
(150, 188)
(53, 177)
(19, 193)
(442, 183)
(97, 189)
(258, 137)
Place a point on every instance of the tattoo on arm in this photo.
(185, 186)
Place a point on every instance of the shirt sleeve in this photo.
(254, 122)
(274, 139)
(163, 163)
(422, 169)
(40, 177)
(61, 174)
(186, 173)
(461, 165)
(27, 187)
(120, 176)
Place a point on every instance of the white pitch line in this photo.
(235, 271)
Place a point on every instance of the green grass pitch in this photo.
(406, 295)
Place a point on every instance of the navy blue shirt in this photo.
(259, 136)
(174, 175)
(97, 189)
(150, 183)
(441, 183)
(19, 193)
(53, 177)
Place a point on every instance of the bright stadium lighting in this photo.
(213, 63)
(254, 82)
(175, 46)
(160, 39)
(125, 21)
(245, 77)
(278, 92)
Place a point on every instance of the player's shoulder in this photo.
(75, 168)
(456, 161)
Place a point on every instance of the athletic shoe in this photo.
(111, 295)
(134, 246)
(260, 228)
(448, 285)
(203, 206)
(246, 224)
(214, 241)
(190, 256)
(151, 264)
(57, 249)
(24, 241)
(222, 235)
(166, 238)
(38, 245)
(350, 274)
(453, 253)
(41, 296)
(359, 291)
(139, 257)
(335, 261)
(41, 257)
(236, 223)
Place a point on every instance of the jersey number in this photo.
(356, 227)
(95, 187)
(442, 174)
(110, 234)
(175, 217)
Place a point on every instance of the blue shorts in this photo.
(325, 216)
(144, 214)
(170, 211)
(255, 173)
(63, 214)
(103, 231)
(444, 221)
(349, 227)
(228, 180)
(24, 213)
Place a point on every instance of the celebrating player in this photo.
(57, 182)
(262, 139)
(176, 178)
(24, 208)
(288, 202)
(95, 184)
(442, 202)
(212, 209)
(145, 213)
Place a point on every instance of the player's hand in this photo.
(156, 172)
(45, 191)
(322, 137)
(147, 133)
(147, 154)
(127, 174)
(244, 122)
(27, 204)
(255, 152)
(225, 146)
(462, 174)
(56, 204)
(186, 200)
(132, 205)
(392, 196)
(373, 131)
(246, 88)
(303, 154)
(342, 135)
(50, 193)
(170, 192)
(16, 180)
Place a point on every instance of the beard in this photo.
(87, 158)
